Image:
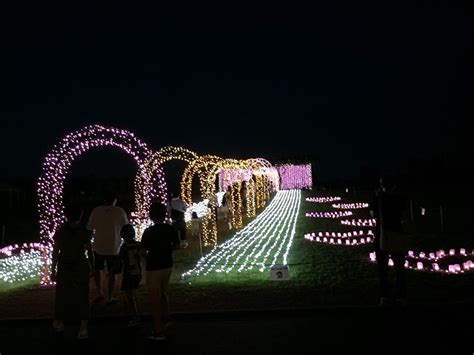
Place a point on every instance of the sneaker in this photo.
(58, 326)
(83, 335)
(157, 336)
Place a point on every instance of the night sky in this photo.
(348, 84)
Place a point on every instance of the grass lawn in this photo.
(320, 275)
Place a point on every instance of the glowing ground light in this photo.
(359, 222)
(264, 242)
(428, 262)
(323, 199)
(332, 215)
(350, 206)
(342, 238)
(23, 262)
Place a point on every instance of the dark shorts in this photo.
(130, 282)
(112, 261)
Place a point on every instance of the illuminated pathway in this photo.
(264, 242)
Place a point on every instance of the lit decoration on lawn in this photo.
(430, 261)
(264, 242)
(58, 161)
(295, 176)
(323, 199)
(332, 215)
(341, 238)
(350, 206)
(359, 222)
(144, 178)
(23, 262)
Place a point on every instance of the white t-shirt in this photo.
(106, 223)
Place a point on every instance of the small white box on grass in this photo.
(279, 272)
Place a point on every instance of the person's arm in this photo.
(124, 218)
(144, 243)
(91, 224)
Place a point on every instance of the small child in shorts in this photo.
(130, 257)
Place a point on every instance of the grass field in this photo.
(320, 275)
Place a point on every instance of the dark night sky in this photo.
(350, 84)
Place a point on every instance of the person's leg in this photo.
(111, 262)
(165, 279)
(154, 297)
(382, 267)
(132, 302)
(399, 263)
(83, 332)
(99, 267)
(182, 230)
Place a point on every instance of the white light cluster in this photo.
(416, 261)
(333, 215)
(201, 208)
(359, 222)
(23, 263)
(264, 242)
(350, 206)
(323, 199)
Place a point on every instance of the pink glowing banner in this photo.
(295, 177)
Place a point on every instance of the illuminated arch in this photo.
(143, 178)
(196, 166)
(58, 161)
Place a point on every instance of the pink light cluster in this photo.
(359, 222)
(429, 261)
(228, 177)
(10, 249)
(351, 238)
(295, 177)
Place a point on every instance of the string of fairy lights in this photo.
(323, 199)
(350, 206)
(329, 214)
(264, 242)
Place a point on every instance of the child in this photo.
(132, 271)
(195, 224)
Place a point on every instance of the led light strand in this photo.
(323, 199)
(273, 227)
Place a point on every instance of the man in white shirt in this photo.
(106, 222)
